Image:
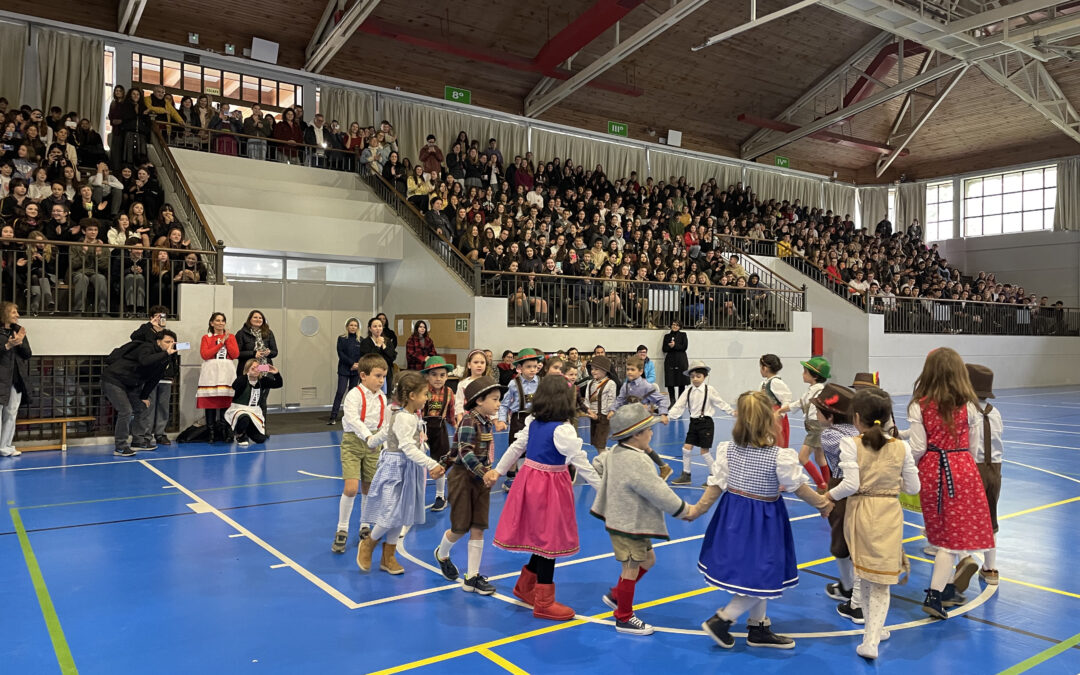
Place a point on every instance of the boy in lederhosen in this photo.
(599, 399)
(517, 403)
(702, 402)
(438, 410)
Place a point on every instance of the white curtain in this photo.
(617, 159)
(910, 206)
(840, 199)
(780, 186)
(72, 72)
(667, 166)
(12, 50)
(873, 206)
(347, 106)
(414, 121)
(1067, 208)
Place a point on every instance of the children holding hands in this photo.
(599, 401)
(703, 403)
(637, 388)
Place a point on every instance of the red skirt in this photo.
(960, 521)
(213, 402)
(539, 516)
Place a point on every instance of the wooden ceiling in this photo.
(760, 72)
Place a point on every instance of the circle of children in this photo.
(864, 473)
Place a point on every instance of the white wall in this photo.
(1045, 263)
(1017, 361)
(733, 355)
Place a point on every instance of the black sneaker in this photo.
(761, 635)
(143, 446)
(683, 479)
(836, 591)
(448, 568)
(718, 629)
(123, 452)
(364, 532)
(950, 597)
(163, 440)
(477, 583)
(854, 613)
(340, 540)
(439, 504)
(633, 626)
(609, 600)
(932, 605)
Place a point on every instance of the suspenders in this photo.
(363, 407)
(986, 433)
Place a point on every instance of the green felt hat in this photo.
(528, 354)
(818, 365)
(434, 362)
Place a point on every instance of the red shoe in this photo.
(546, 607)
(525, 587)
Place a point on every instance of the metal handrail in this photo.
(749, 244)
(972, 317)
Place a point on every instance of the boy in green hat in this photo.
(815, 372)
(438, 410)
(517, 403)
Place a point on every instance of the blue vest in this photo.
(540, 447)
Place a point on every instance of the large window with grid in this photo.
(939, 211)
(1005, 203)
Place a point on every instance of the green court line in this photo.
(52, 621)
(1045, 655)
(171, 493)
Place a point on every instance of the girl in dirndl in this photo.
(875, 469)
(396, 495)
(955, 511)
(215, 394)
(748, 549)
(778, 392)
(539, 516)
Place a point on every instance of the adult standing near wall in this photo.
(650, 368)
(348, 354)
(675, 362)
(216, 375)
(376, 342)
(419, 347)
(14, 374)
(255, 341)
(161, 396)
(388, 332)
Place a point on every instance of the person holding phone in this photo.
(161, 396)
(247, 414)
(131, 373)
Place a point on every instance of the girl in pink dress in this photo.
(539, 516)
(954, 506)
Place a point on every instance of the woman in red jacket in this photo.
(288, 131)
(219, 352)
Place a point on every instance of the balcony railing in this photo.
(556, 300)
(74, 279)
(967, 317)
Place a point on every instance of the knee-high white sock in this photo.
(990, 559)
(707, 456)
(943, 569)
(365, 519)
(757, 612)
(444, 547)
(847, 573)
(344, 512)
(378, 532)
(877, 608)
(440, 487)
(476, 551)
(392, 536)
(856, 593)
(686, 454)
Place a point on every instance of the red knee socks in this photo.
(815, 475)
(826, 474)
(625, 599)
(615, 589)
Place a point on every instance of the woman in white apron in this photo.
(216, 375)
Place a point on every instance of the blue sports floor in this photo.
(201, 559)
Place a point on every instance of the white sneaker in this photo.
(866, 652)
(243, 444)
(9, 452)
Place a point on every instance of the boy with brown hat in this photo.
(599, 400)
(984, 437)
(438, 410)
(470, 499)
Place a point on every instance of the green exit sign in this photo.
(782, 161)
(617, 129)
(457, 94)
(461, 325)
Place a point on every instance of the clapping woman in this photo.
(377, 343)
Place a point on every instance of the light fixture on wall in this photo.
(193, 38)
(230, 49)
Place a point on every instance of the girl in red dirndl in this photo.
(779, 392)
(954, 506)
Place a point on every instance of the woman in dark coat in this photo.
(348, 354)
(378, 343)
(256, 341)
(14, 374)
(675, 362)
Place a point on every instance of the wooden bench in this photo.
(62, 421)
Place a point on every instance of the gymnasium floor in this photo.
(200, 559)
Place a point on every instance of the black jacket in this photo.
(14, 366)
(389, 354)
(243, 387)
(675, 362)
(348, 353)
(246, 342)
(145, 333)
(136, 366)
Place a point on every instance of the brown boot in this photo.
(389, 562)
(363, 554)
(545, 606)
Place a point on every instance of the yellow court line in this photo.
(506, 665)
(1039, 508)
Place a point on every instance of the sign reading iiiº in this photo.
(782, 161)
(457, 94)
(617, 129)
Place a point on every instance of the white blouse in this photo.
(405, 429)
(567, 442)
(789, 471)
(917, 432)
(779, 389)
(849, 464)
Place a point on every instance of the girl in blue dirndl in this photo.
(748, 549)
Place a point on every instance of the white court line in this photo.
(318, 475)
(1045, 393)
(1045, 431)
(1052, 473)
(1053, 424)
(227, 453)
(1045, 405)
(208, 508)
(278, 566)
(233, 536)
(1040, 445)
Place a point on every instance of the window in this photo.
(1006, 203)
(346, 273)
(248, 267)
(892, 207)
(939, 211)
(110, 82)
